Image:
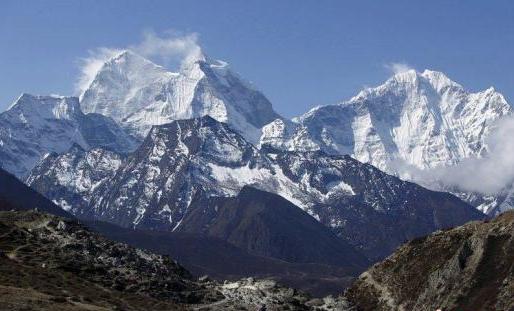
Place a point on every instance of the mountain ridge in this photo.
(412, 122)
(154, 186)
(36, 125)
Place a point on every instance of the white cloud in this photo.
(170, 49)
(90, 65)
(487, 175)
(397, 68)
(492, 173)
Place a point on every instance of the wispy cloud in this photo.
(487, 175)
(492, 173)
(396, 68)
(170, 49)
(90, 65)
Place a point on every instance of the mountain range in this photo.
(413, 122)
(158, 186)
(461, 268)
(36, 125)
(200, 156)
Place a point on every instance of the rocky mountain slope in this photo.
(77, 169)
(36, 125)
(220, 260)
(16, 195)
(83, 257)
(414, 121)
(51, 263)
(265, 224)
(139, 94)
(467, 268)
(187, 159)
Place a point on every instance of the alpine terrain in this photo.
(189, 160)
(197, 165)
(36, 125)
(414, 121)
(139, 94)
(465, 268)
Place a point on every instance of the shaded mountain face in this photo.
(139, 94)
(414, 121)
(220, 260)
(36, 125)
(154, 187)
(15, 195)
(266, 224)
(466, 268)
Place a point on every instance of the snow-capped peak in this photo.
(139, 94)
(413, 121)
(36, 125)
(49, 107)
(420, 119)
(414, 80)
(439, 80)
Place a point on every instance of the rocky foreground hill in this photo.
(53, 263)
(467, 268)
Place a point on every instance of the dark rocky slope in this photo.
(51, 263)
(268, 225)
(62, 259)
(261, 235)
(466, 268)
(16, 195)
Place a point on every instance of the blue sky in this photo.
(299, 53)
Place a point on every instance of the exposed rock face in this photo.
(467, 268)
(71, 179)
(154, 186)
(139, 94)
(36, 125)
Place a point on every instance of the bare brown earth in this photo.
(466, 268)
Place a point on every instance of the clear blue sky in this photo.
(299, 53)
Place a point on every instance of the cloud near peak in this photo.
(396, 68)
(171, 49)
